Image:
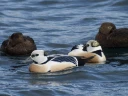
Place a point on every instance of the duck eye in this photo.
(87, 45)
(34, 55)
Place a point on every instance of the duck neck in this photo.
(40, 60)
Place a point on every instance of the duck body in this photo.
(109, 36)
(91, 48)
(99, 57)
(45, 64)
(55, 64)
(18, 44)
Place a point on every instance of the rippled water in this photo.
(57, 25)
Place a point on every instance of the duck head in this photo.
(39, 56)
(16, 38)
(91, 46)
(106, 28)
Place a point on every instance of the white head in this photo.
(39, 56)
(92, 45)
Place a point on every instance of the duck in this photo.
(109, 36)
(18, 44)
(43, 63)
(91, 48)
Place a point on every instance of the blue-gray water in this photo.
(57, 25)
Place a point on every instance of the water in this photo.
(57, 25)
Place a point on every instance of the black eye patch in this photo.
(87, 45)
(34, 55)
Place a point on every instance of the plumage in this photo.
(44, 64)
(18, 44)
(91, 48)
(77, 50)
(109, 36)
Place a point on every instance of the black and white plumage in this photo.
(46, 64)
(77, 50)
(91, 48)
(65, 59)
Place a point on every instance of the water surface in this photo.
(57, 25)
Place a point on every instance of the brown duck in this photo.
(109, 36)
(18, 44)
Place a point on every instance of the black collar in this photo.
(41, 63)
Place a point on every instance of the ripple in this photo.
(121, 3)
(56, 26)
(49, 2)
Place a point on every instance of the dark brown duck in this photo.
(109, 36)
(18, 44)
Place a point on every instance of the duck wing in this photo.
(61, 59)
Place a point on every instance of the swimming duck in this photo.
(109, 36)
(18, 44)
(42, 63)
(91, 48)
